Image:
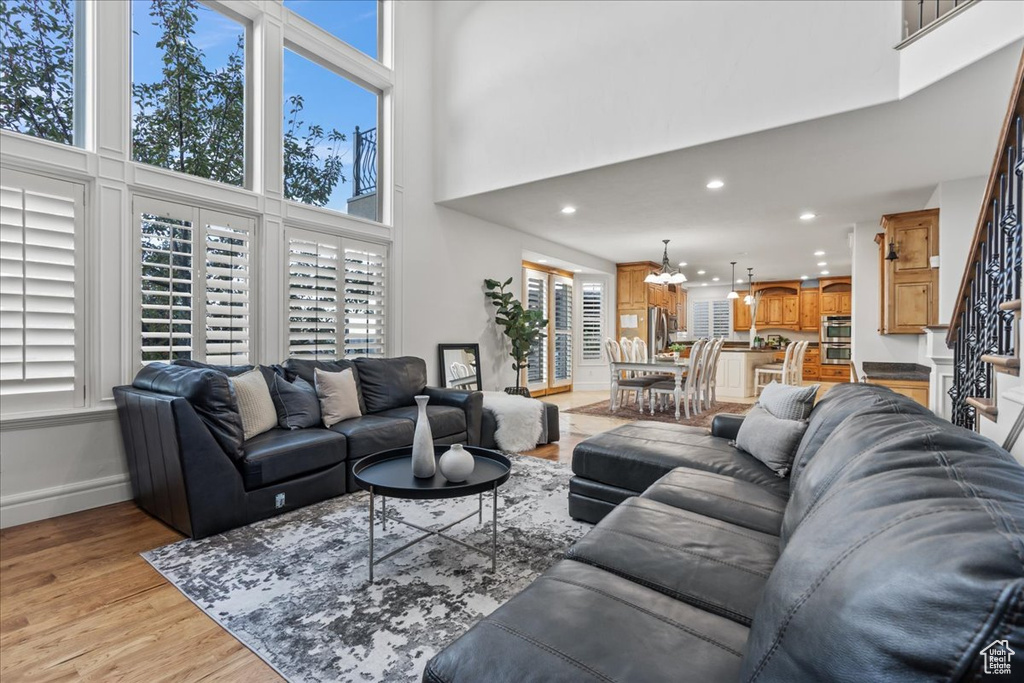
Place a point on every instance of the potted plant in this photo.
(524, 328)
(677, 350)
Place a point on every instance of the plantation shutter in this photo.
(364, 298)
(313, 284)
(592, 319)
(721, 312)
(195, 275)
(40, 291)
(562, 329)
(701, 319)
(228, 276)
(535, 284)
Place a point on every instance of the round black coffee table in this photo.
(389, 474)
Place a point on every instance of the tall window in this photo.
(712, 318)
(195, 284)
(560, 329)
(535, 298)
(592, 321)
(330, 139)
(336, 296)
(188, 89)
(357, 22)
(40, 292)
(38, 69)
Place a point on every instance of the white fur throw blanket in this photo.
(520, 420)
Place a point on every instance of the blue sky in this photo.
(330, 100)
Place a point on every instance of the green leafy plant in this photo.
(523, 327)
(677, 348)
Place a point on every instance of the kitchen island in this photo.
(735, 377)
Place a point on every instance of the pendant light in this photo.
(733, 294)
(749, 298)
(667, 275)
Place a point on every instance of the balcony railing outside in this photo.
(920, 15)
(364, 167)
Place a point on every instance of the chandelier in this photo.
(667, 275)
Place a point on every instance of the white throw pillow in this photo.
(339, 397)
(254, 403)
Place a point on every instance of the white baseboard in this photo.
(32, 506)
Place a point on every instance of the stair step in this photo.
(1010, 305)
(985, 406)
(1008, 364)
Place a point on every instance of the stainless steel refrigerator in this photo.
(657, 329)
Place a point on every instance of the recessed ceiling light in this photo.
(715, 279)
(822, 263)
(542, 260)
(824, 272)
(807, 216)
(739, 280)
(578, 270)
(701, 272)
(715, 185)
(682, 264)
(803, 277)
(568, 209)
(703, 284)
(819, 253)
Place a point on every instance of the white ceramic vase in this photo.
(457, 463)
(423, 464)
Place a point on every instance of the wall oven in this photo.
(836, 328)
(835, 353)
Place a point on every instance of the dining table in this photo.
(677, 367)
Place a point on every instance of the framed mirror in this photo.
(459, 366)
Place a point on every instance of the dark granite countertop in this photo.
(896, 371)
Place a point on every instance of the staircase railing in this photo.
(983, 330)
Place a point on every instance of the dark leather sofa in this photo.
(190, 468)
(894, 552)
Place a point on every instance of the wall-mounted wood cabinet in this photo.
(835, 296)
(909, 284)
(810, 319)
(784, 305)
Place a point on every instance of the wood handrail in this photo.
(1014, 108)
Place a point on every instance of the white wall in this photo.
(959, 203)
(868, 344)
(530, 90)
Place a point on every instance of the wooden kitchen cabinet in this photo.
(791, 311)
(740, 314)
(835, 296)
(810, 318)
(812, 364)
(909, 284)
(835, 373)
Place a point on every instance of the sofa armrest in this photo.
(726, 425)
(472, 402)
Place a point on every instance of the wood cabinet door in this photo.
(829, 303)
(761, 319)
(845, 303)
(740, 314)
(791, 311)
(775, 310)
(681, 308)
(909, 283)
(624, 288)
(911, 306)
(638, 287)
(810, 319)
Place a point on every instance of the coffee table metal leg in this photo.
(371, 534)
(383, 513)
(480, 520)
(494, 532)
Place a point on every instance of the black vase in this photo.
(518, 391)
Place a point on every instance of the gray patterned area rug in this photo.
(294, 589)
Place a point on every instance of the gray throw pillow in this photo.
(339, 398)
(771, 440)
(254, 403)
(787, 402)
(297, 404)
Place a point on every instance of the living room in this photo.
(691, 201)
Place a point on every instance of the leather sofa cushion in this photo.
(716, 566)
(725, 498)
(229, 370)
(369, 434)
(388, 383)
(636, 455)
(282, 454)
(306, 369)
(444, 420)
(579, 623)
(908, 560)
(209, 393)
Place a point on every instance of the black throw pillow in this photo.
(297, 404)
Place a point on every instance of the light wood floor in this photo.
(77, 602)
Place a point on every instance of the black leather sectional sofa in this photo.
(894, 552)
(190, 468)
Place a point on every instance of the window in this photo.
(535, 285)
(38, 80)
(330, 139)
(188, 89)
(592, 321)
(195, 284)
(560, 329)
(354, 21)
(712, 318)
(334, 282)
(40, 292)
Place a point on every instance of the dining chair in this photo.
(711, 374)
(780, 372)
(796, 375)
(664, 388)
(703, 372)
(626, 384)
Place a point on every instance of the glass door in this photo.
(560, 331)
